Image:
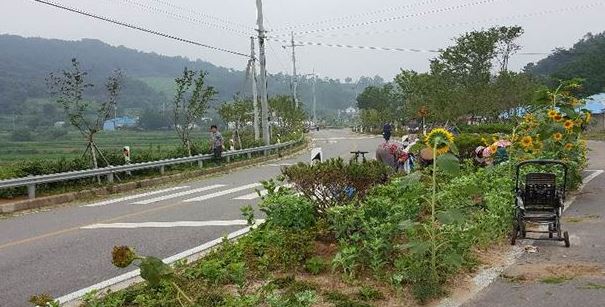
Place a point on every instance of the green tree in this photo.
(151, 119)
(69, 86)
(239, 113)
(189, 104)
(288, 119)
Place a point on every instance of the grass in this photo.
(555, 280)
(592, 286)
(73, 145)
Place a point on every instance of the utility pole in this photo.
(263, 73)
(252, 69)
(294, 74)
(314, 98)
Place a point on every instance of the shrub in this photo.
(315, 265)
(334, 181)
(488, 128)
(289, 211)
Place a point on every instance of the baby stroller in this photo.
(539, 201)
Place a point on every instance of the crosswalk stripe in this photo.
(168, 224)
(175, 195)
(225, 192)
(255, 195)
(117, 200)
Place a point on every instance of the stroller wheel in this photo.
(566, 238)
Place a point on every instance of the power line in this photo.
(197, 12)
(365, 23)
(131, 26)
(457, 24)
(376, 12)
(334, 45)
(189, 19)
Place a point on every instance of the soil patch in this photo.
(552, 272)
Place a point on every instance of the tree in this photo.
(287, 117)
(385, 99)
(189, 104)
(151, 119)
(87, 116)
(238, 112)
(507, 45)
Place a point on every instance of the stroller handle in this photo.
(543, 162)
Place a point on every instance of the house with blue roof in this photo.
(119, 122)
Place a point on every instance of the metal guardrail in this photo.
(31, 181)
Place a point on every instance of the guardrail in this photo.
(31, 181)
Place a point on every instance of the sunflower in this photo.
(557, 136)
(568, 146)
(527, 141)
(441, 139)
(122, 256)
(552, 113)
(558, 117)
(529, 118)
(588, 118)
(568, 124)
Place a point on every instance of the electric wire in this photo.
(197, 12)
(394, 18)
(458, 24)
(139, 28)
(189, 19)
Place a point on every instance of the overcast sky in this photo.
(416, 24)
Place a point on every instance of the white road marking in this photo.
(175, 195)
(167, 224)
(225, 192)
(592, 176)
(117, 200)
(279, 164)
(346, 138)
(255, 195)
(132, 277)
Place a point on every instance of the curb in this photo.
(53, 200)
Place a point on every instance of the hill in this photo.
(26, 62)
(586, 59)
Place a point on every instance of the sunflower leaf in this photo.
(449, 164)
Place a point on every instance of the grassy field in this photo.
(73, 144)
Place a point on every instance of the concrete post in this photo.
(200, 163)
(31, 191)
(162, 170)
(249, 155)
(110, 177)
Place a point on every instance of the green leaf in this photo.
(454, 149)
(153, 270)
(453, 259)
(451, 216)
(449, 164)
(417, 247)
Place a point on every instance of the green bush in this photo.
(289, 211)
(315, 265)
(488, 128)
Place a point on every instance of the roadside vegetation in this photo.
(355, 234)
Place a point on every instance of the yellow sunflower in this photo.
(527, 141)
(558, 117)
(552, 113)
(493, 148)
(557, 136)
(441, 138)
(568, 124)
(568, 146)
(588, 118)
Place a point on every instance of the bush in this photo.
(334, 181)
(21, 136)
(289, 211)
(488, 128)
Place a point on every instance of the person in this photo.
(386, 131)
(479, 158)
(216, 143)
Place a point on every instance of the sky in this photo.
(409, 24)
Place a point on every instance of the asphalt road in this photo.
(552, 275)
(68, 248)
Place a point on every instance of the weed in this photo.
(367, 293)
(315, 265)
(592, 286)
(341, 300)
(554, 280)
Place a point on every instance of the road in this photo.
(552, 275)
(68, 248)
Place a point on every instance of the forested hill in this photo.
(586, 59)
(25, 63)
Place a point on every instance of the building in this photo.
(119, 122)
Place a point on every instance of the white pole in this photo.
(294, 76)
(314, 98)
(254, 89)
(263, 73)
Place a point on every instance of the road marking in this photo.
(225, 192)
(592, 176)
(279, 164)
(167, 224)
(346, 138)
(175, 195)
(131, 277)
(255, 195)
(117, 200)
